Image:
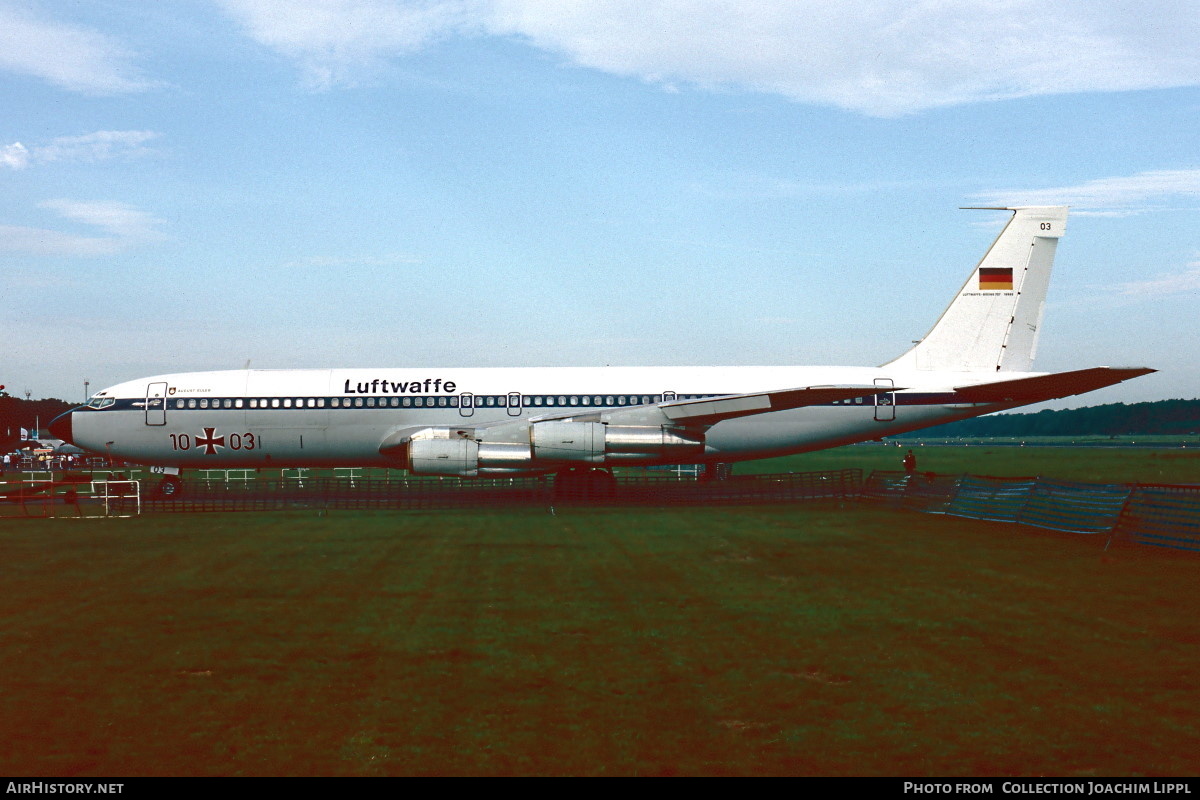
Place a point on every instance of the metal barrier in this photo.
(1160, 515)
(445, 493)
(1163, 516)
(1074, 507)
(121, 498)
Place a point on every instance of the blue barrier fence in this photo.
(1159, 515)
(1164, 516)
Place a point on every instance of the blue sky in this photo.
(191, 185)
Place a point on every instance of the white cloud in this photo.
(72, 57)
(1177, 283)
(98, 146)
(42, 242)
(14, 155)
(1115, 196)
(321, 262)
(119, 219)
(335, 42)
(878, 57)
(124, 225)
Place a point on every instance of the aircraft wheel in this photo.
(170, 488)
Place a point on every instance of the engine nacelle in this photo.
(452, 451)
(645, 442)
(574, 442)
(596, 443)
(447, 451)
(444, 457)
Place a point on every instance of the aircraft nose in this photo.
(60, 427)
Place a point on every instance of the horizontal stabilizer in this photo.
(1048, 387)
(711, 410)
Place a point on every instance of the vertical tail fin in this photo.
(992, 323)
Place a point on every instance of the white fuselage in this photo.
(310, 418)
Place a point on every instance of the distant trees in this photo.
(16, 414)
(1113, 419)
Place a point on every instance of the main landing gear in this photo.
(581, 484)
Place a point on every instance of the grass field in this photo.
(1001, 459)
(805, 640)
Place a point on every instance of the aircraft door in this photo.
(514, 404)
(466, 404)
(885, 401)
(156, 404)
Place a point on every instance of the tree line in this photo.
(1112, 419)
(16, 414)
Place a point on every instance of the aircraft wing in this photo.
(711, 410)
(708, 411)
(1048, 387)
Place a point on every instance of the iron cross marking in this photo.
(210, 442)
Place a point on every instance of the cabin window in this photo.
(237, 403)
(179, 404)
(371, 402)
(442, 401)
(274, 402)
(574, 400)
(191, 403)
(204, 403)
(587, 401)
(419, 402)
(358, 403)
(407, 401)
(537, 401)
(489, 401)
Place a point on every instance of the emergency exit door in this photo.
(156, 404)
(885, 401)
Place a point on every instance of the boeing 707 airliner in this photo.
(578, 423)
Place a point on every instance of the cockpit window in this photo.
(101, 402)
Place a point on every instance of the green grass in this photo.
(805, 640)
(1084, 464)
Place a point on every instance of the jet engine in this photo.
(549, 446)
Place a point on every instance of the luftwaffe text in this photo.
(383, 386)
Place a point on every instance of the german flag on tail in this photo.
(994, 279)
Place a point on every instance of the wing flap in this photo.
(1048, 387)
(711, 410)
